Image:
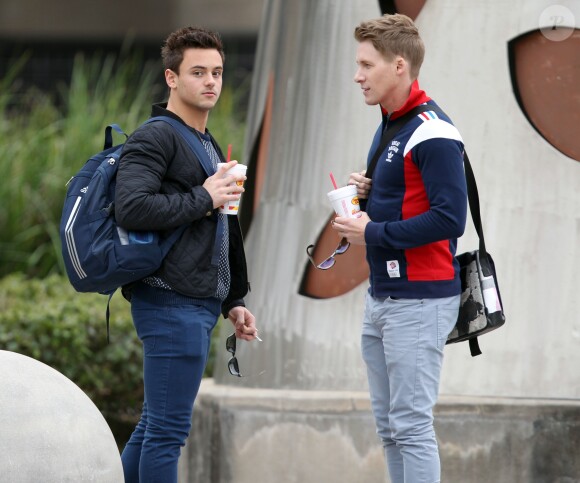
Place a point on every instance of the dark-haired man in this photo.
(161, 186)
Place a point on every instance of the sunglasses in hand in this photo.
(330, 261)
(233, 365)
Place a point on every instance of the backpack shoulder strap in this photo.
(191, 139)
(194, 142)
(109, 135)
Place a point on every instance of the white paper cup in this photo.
(232, 207)
(345, 201)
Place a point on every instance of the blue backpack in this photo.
(99, 255)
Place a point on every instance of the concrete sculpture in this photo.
(50, 430)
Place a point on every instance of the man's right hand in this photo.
(223, 188)
(363, 184)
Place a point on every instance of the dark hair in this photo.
(394, 35)
(186, 38)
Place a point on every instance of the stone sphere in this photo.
(50, 430)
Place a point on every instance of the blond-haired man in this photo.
(415, 209)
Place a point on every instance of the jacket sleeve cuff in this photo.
(226, 307)
(205, 198)
(373, 233)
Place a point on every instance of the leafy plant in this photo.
(50, 322)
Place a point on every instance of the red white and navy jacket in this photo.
(417, 206)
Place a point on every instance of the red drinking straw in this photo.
(333, 181)
(229, 153)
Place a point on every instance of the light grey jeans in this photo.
(402, 346)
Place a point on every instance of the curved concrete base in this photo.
(50, 431)
(244, 435)
(265, 435)
(508, 440)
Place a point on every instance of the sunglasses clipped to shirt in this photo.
(331, 260)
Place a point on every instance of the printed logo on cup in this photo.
(345, 201)
(232, 207)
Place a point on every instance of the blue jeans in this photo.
(175, 332)
(402, 346)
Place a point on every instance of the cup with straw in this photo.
(344, 200)
(232, 207)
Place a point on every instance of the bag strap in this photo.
(194, 143)
(474, 347)
(199, 151)
(472, 196)
(472, 193)
(109, 135)
(391, 131)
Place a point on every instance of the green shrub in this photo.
(50, 322)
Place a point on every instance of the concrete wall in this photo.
(263, 436)
(290, 436)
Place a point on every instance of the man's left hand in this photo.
(353, 229)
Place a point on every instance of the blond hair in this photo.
(394, 35)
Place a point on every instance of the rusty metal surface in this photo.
(546, 78)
